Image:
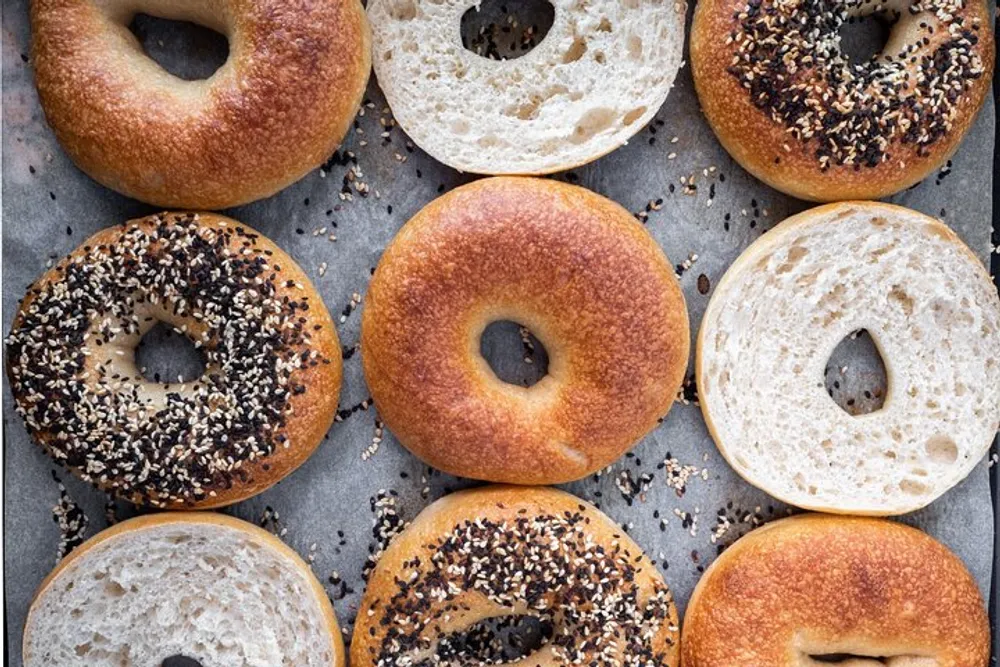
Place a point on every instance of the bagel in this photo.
(805, 590)
(204, 586)
(598, 76)
(275, 110)
(574, 268)
(497, 552)
(273, 362)
(784, 305)
(798, 114)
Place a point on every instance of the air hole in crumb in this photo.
(576, 50)
(912, 487)
(855, 376)
(506, 29)
(795, 255)
(591, 123)
(403, 10)
(180, 661)
(634, 46)
(514, 354)
(633, 115)
(188, 51)
(941, 449)
(164, 356)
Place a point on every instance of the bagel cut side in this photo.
(788, 301)
(597, 77)
(204, 586)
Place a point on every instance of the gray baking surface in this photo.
(49, 207)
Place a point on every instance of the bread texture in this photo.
(782, 308)
(599, 75)
(275, 110)
(273, 362)
(502, 551)
(811, 586)
(580, 273)
(200, 585)
(801, 116)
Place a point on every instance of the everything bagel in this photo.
(509, 551)
(273, 362)
(795, 112)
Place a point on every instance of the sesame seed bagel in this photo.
(796, 113)
(814, 589)
(574, 268)
(275, 110)
(781, 310)
(272, 357)
(498, 552)
(205, 586)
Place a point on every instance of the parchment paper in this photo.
(326, 509)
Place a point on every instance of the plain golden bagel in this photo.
(797, 113)
(868, 591)
(272, 362)
(574, 268)
(200, 585)
(786, 303)
(501, 552)
(277, 108)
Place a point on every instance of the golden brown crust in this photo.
(507, 505)
(757, 142)
(817, 584)
(204, 518)
(277, 109)
(312, 412)
(574, 268)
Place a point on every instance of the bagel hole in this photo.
(497, 640)
(508, 29)
(513, 353)
(187, 50)
(835, 658)
(855, 375)
(862, 38)
(180, 661)
(165, 356)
